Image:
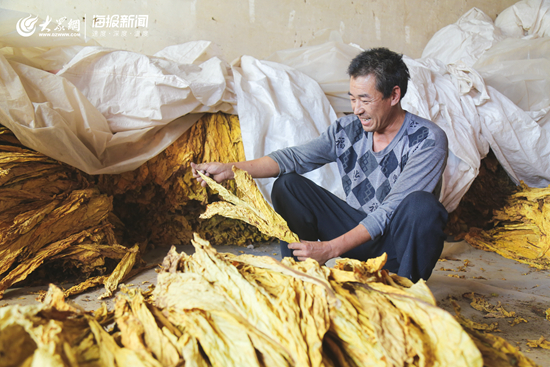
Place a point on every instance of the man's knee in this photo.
(422, 206)
(281, 186)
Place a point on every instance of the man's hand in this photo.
(257, 168)
(322, 251)
(218, 171)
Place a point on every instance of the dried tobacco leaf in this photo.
(370, 325)
(161, 200)
(517, 320)
(213, 309)
(481, 326)
(540, 343)
(87, 284)
(32, 236)
(40, 335)
(140, 332)
(249, 207)
(49, 217)
(24, 268)
(112, 355)
(493, 311)
(522, 229)
(122, 269)
(41, 201)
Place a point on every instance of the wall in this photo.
(260, 27)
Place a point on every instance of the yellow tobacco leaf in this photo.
(122, 269)
(56, 299)
(263, 310)
(88, 283)
(521, 230)
(517, 320)
(103, 315)
(157, 340)
(456, 276)
(212, 309)
(26, 267)
(306, 283)
(140, 332)
(481, 326)
(540, 343)
(285, 307)
(161, 200)
(40, 334)
(308, 271)
(250, 207)
(495, 311)
(189, 294)
(221, 336)
(112, 355)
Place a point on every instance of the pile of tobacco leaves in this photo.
(59, 224)
(215, 309)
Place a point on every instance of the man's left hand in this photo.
(317, 250)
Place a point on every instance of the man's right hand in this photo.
(218, 171)
(257, 168)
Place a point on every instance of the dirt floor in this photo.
(518, 287)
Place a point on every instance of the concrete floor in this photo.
(519, 288)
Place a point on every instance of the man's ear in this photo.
(395, 95)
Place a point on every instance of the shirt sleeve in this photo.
(422, 172)
(308, 156)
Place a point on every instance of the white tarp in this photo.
(526, 18)
(327, 63)
(280, 107)
(108, 110)
(512, 55)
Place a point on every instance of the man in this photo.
(391, 163)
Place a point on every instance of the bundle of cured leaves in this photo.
(214, 309)
(161, 200)
(59, 224)
(53, 220)
(521, 229)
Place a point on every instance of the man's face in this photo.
(368, 103)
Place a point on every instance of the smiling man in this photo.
(391, 163)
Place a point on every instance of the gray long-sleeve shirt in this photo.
(374, 182)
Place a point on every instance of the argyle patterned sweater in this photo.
(374, 182)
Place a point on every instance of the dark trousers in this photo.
(413, 241)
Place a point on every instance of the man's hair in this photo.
(387, 66)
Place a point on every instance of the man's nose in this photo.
(358, 109)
